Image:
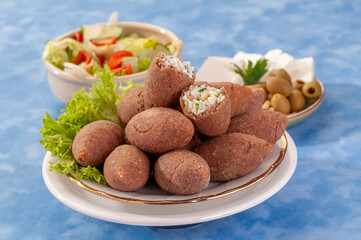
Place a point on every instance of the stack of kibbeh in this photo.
(190, 132)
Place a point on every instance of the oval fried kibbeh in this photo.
(127, 168)
(265, 124)
(159, 130)
(233, 155)
(181, 172)
(193, 143)
(95, 141)
(164, 83)
(130, 104)
(238, 95)
(254, 101)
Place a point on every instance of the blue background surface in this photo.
(323, 198)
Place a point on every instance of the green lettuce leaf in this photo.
(58, 138)
(136, 45)
(60, 51)
(90, 173)
(130, 85)
(144, 64)
(82, 109)
(174, 45)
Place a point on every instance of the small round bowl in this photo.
(64, 85)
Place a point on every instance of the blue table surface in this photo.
(323, 198)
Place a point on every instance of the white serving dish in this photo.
(162, 215)
(64, 85)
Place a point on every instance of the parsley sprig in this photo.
(252, 75)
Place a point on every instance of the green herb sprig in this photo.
(252, 74)
(202, 89)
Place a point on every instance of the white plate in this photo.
(169, 215)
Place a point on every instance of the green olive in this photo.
(278, 85)
(282, 74)
(298, 84)
(311, 89)
(280, 103)
(297, 100)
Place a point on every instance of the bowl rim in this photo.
(70, 77)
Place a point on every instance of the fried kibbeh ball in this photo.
(95, 141)
(209, 108)
(127, 168)
(159, 130)
(130, 104)
(166, 78)
(254, 102)
(238, 95)
(233, 155)
(182, 172)
(193, 143)
(265, 124)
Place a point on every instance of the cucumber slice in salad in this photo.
(100, 31)
(91, 31)
(131, 61)
(162, 48)
(150, 53)
(109, 31)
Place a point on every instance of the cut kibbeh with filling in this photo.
(209, 108)
(167, 77)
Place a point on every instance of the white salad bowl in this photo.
(64, 84)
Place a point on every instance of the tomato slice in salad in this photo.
(115, 60)
(105, 41)
(125, 70)
(78, 36)
(83, 56)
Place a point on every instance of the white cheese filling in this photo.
(180, 66)
(199, 98)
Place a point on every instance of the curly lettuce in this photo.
(130, 85)
(85, 107)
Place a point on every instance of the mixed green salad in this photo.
(85, 107)
(105, 45)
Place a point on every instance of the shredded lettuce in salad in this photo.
(94, 45)
(85, 107)
(59, 52)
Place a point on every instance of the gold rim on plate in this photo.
(190, 200)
